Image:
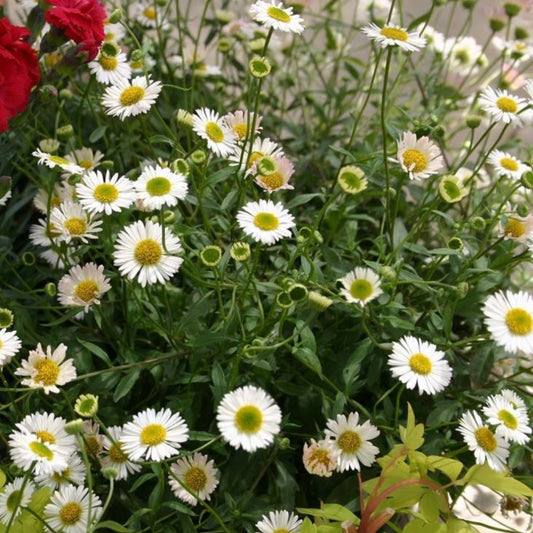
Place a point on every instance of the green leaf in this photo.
(126, 384)
(97, 134)
(220, 386)
(96, 350)
(413, 435)
(113, 526)
(308, 358)
(430, 506)
(2, 479)
(307, 526)
(331, 511)
(499, 481)
(450, 467)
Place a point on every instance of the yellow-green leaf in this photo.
(332, 511)
(499, 481)
(450, 467)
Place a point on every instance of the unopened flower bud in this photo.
(50, 289)
(211, 255)
(259, 67)
(527, 179)
(74, 427)
(6, 317)
(240, 251)
(199, 157)
(496, 24)
(284, 300)
(318, 302)
(66, 131)
(455, 243)
(115, 17)
(298, 292)
(511, 9)
(473, 121)
(50, 146)
(28, 258)
(478, 223)
(184, 118)
(86, 405)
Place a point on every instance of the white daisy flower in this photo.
(265, 221)
(99, 193)
(434, 39)
(154, 435)
(47, 370)
(274, 15)
(93, 440)
(149, 14)
(509, 319)
(351, 440)
(9, 345)
(75, 473)
(320, 457)
(502, 105)
(279, 178)
(260, 148)
(53, 161)
(248, 418)
(517, 228)
(83, 286)
(55, 260)
(158, 186)
(59, 193)
(208, 125)
(511, 423)
(240, 122)
(420, 157)
(196, 473)
(110, 69)
(513, 398)
(13, 497)
(115, 457)
(130, 98)
(487, 446)
(279, 522)
(463, 55)
(73, 510)
(139, 253)
(85, 157)
(418, 363)
(361, 285)
(74, 223)
(41, 442)
(393, 35)
(507, 165)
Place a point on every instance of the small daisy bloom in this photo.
(507, 165)
(511, 423)
(320, 458)
(279, 522)
(47, 370)
(9, 345)
(54, 161)
(260, 148)
(509, 319)
(352, 440)
(85, 157)
(70, 507)
(75, 473)
(393, 35)
(59, 194)
(248, 418)
(265, 221)
(197, 474)
(115, 457)
(513, 398)
(83, 286)
(110, 70)
(502, 105)
(208, 125)
(149, 14)
(139, 253)
(13, 497)
(154, 435)
(419, 157)
(274, 15)
(463, 55)
(240, 121)
(517, 228)
(158, 186)
(360, 286)
(281, 172)
(418, 363)
(487, 446)
(99, 192)
(93, 440)
(44, 234)
(74, 223)
(130, 98)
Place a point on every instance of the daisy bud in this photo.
(224, 15)
(49, 145)
(74, 427)
(473, 121)
(496, 24)
(521, 34)
(298, 292)
(469, 4)
(451, 189)
(107, 164)
(184, 118)
(318, 302)
(284, 443)
(527, 179)
(110, 49)
(6, 318)
(224, 45)
(351, 179)
(48, 93)
(257, 45)
(388, 273)
(455, 243)
(86, 405)
(64, 132)
(259, 67)
(137, 55)
(198, 157)
(115, 17)
(512, 9)
(50, 289)
(211, 256)
(180, 166)
(110, 472)
(65, 94)
(478, 223)
(522, 210)
(304, 234)
(462, 289)
(283, 299)
(318, 237)
(240, 251)
(28, 259)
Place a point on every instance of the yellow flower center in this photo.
(249, 419)
(240, 130)
(52, 59)
(361, 289)
(153, 434)
(281, 530)
(273, 181)
(254, 156)
(92, 445)
(214, 132)
(137, 64)
(158, 186)
(508, 418)
(509, 164)
(266, 221)
(131, 95)
(415, 160)
(507, 105)
(148, 252)
(46, 436)
(70, 513)
(41, 450)
(62, 477)
(47, 372)
(150, 13)
(396, 34)
(13, 500)
(486, 439)
(116, 454)
(195, 479)
(420, 364)
(85, 163)
(108, 63)
(55, 201)
(515, 228)
(76, 226)
(278, 14)
(349, 442)
(519, 321)
(105, 193)
(319, 457)
(1, 344)
(86, 290)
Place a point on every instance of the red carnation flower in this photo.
(81, 20)
(19, 71)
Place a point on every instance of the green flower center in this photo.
(158, 186)
(415, 160)
(349, 442)
(47, 372)
(108, 63)
(131, 95)
(86, 290)
(148, 252)
(70, 513)
(195, 479)
(462, 56)
(395, 34)
(508, 418)
(486, 439)
(153, 434)
(76, 226)
(509, 164)
(351, 180)
(214, 132)
(519, 321)
(420, 364)
(506, 104)
(278, 14)
(361, 289)
(105, 193)
(453, 191)
(249, 419)
(266, 221)
(40, 449)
